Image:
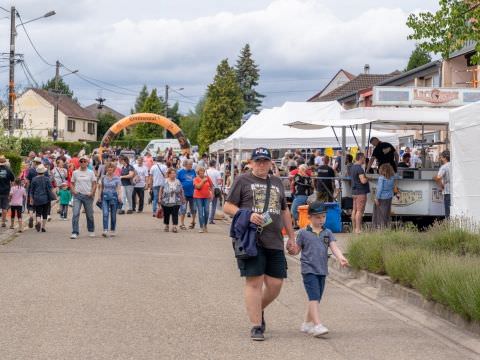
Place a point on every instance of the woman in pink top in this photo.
(18, 196)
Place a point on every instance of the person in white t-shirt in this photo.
(158, 173)
(443, 180)
(140, 183)
(217, 181)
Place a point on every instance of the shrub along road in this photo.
(150, 295)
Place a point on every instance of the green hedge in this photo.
(30, 144)
(15, 163)
(443, 263)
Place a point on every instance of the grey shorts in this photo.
(4, 202)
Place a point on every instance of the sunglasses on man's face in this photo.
(83, 161)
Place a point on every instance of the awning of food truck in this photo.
(381, 118)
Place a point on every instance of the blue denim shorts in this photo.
(314, 286)
(190, 203)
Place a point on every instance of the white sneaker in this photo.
(318, 330)
(91, 234)
(112, 234)
(73, 236)
(306, 327)
(105, 234)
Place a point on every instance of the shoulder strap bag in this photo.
(238, 248)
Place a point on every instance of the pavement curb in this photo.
(387, 287)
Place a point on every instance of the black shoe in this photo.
(256, 334)
(129, 211)
(37, 227)
(30, 223)
(43, 230)
(211, 222)
(121, 212)
(264, 325)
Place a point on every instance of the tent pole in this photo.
(344, 149)
(364, 135)
(369, 137)
(232, 166)
(335, 133)
(354, 136)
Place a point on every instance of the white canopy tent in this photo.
(267, 129)
(465, 173)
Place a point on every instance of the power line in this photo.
(84, 78)
(25, 66)
(31, 42)
(110, 84)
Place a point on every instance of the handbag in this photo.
(51, 195)
(238, 248)
(159, 213)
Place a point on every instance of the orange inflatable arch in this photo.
(140, 118)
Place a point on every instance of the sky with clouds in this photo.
(298, 44)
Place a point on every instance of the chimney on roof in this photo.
(366, 69)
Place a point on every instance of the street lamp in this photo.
(11, 84)
(48, 14)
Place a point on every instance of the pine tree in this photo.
(418, 58)
(247, 76)
(224, 106)
(155, 105)
(140, 101)
(190, 124)
(62, 88)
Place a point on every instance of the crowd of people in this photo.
(177, 186)
(184, 186)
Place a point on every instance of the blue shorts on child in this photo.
(314, 286)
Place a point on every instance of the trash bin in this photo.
(334, 217)
(303, 216)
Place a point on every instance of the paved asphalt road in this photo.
(150, 295)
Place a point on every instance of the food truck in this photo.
(409, 112)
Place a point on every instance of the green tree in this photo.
(62, 88)
(104, 122)
(174, 115)
(248, 75)
(140, 101)
(447, 30)
(223, 109)
(418, 58)
(190, 123)
(155, 105)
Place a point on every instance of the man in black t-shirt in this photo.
(264, 273)
(325, 187)
(384, 152)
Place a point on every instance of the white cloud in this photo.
(290, 39)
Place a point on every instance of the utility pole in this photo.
(166, 108)
(55, 111)
(11, 83)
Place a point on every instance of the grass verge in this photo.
(443, 263)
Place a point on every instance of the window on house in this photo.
(71, 125)
(91, 128)
(83, 122)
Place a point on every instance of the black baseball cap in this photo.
(261, 154)
(317, 207)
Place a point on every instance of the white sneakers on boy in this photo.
(306, 327)
(318, 330)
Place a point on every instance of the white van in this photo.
(160, 145)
